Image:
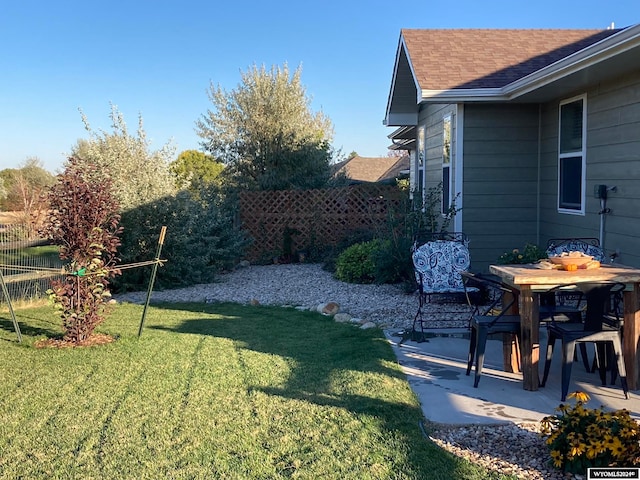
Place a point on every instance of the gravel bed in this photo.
(307, 286)
(512, 449)
(515, 449)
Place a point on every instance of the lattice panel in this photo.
(321, 217)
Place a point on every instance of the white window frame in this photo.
(421, 161)
(446, 164)
(577, 153)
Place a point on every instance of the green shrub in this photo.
(530, 254)
(356, 263)
(328, 254)
(202, 240)
(393, 263)
(580, 438)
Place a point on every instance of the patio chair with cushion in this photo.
(437, 266)
(490, 315)
(561, 303)
(588, 246)
(596, 329)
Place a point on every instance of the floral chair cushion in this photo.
(438, 264)
(576, 245)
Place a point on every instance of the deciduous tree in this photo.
(266, 133)
(139, 174)
(24, 190)
(83, 220)
(194, 170)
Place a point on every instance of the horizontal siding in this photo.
(613, 158)
(432, 116)
(500, 179)
(621, 152)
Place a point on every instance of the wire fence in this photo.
(28, 264)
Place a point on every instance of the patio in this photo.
(436, 372)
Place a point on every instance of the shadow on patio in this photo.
(436, 372)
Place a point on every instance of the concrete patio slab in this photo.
(436, 372)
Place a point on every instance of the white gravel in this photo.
(303, 285)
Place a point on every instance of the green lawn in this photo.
(212, 391)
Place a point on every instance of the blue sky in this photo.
(157, 59)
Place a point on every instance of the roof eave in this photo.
(598, 52)
(463, 95)
(402, 47)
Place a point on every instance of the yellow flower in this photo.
(592, 452)
(579, 396)
(616, 447)
(557, 458)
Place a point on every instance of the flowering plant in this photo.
(580, 437)
(530, 254)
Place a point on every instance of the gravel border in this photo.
(515, 449)
(307, 286)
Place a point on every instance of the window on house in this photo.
(446, 164)
(572, 156)
(422, 155)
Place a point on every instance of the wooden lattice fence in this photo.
(282, 223)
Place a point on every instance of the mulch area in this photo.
(93, 340)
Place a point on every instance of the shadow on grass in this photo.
(320, 351)
(26, 328)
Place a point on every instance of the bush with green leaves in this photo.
(530, 254)
(393, 262)
(202, 239)
(356, 263)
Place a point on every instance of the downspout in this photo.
(539, 174)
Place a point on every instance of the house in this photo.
(373, 169)
(534, 133)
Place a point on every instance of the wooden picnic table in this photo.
(530, 281)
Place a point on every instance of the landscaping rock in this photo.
(342, 317)
(368, 325)
(329, 308)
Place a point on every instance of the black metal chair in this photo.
(437, 267)
(562, 302)
(490, 315)
(595, 329)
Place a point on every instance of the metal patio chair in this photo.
(437, 266)
(596, 329)
(490, 315)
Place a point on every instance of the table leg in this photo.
(631, 336)
(530, 333)
(510, 352)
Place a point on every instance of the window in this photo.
(422, 154)
(446, 164)
(572, 155)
